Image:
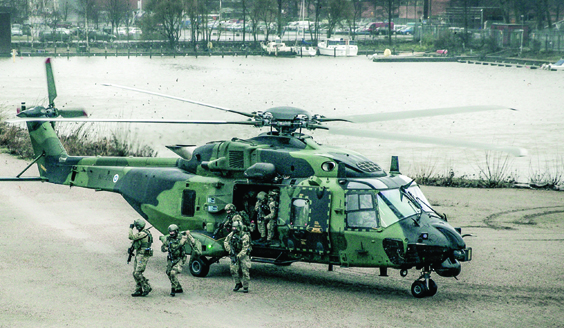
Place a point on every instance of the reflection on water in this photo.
(324, 85)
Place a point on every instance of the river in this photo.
(321, 85)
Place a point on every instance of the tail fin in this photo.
(47, 146)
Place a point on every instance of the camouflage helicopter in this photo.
(336, 207)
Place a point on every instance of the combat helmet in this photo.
(139, 224)
(173, 228)
(237, 226)
(230, 207)
(261, 195)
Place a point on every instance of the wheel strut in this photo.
(424, 285)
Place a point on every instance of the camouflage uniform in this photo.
(232, 216)
(270, 219)
(238, 245)
(261, 208)
(142, 241)
(174, 245)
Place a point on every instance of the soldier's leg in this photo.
(234, 268)
(174, 283)
(141, 266)
(138, 269)
(262, 229)
(271, 227)
(245, 272)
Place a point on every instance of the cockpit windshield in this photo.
(393, 206)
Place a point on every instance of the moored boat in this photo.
(278, 48)
(337, 47)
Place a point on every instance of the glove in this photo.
(131, 226)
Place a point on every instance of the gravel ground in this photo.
(63, 263)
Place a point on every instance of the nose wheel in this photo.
(424, 286)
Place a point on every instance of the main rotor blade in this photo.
(178, 98)
(72, 112)
(50, 83)
(378, 117)
(117, 120)
(515, 151)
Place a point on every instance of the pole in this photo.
(522, 33)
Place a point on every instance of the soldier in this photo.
(232, 216)
(261, 208)
(174, 245)
(249, 201)
(270, 219)
(238, 245)
(141, 244)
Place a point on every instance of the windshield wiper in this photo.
(408, 195)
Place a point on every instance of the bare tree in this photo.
(337, 11)
(117, 12)
(266, 11)
(169, 14)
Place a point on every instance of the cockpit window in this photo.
(361, 211)
(393, 207)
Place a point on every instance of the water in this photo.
(323, 85)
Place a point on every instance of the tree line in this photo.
(168, 17)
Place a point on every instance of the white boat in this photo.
(305, 51)
(278, 48)
(558, 66)
(338, 47)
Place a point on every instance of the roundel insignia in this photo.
(116, 178)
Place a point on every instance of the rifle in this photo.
(219, 228)
(233, 256)
(130, 251)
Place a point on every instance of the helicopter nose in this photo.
(453, 238)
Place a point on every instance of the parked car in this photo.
(407, 31)
(58, 34)
(95, 35)
(16, 31)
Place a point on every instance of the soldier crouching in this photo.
(238, 245)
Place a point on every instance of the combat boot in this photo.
(246, 290)
(172, 292)
(179, 290)
(147, 290)
(237, 287)
(137, 293)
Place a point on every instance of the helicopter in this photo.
(336, 206)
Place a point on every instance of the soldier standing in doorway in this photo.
(261, 208)
(238, 245)
(270, 219)
(141, 245)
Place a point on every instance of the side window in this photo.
(188, 202)
(300, 212)
(361, 212)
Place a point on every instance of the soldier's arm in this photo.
(136, 236)
(273, 211)
(245, 247)
(190, 238)
(226, 243)
(163, 246)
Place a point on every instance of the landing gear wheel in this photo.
(198, 266)
(419, 289)
(432, 288)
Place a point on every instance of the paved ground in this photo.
(63, 263)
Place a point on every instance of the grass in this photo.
(77, 141)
